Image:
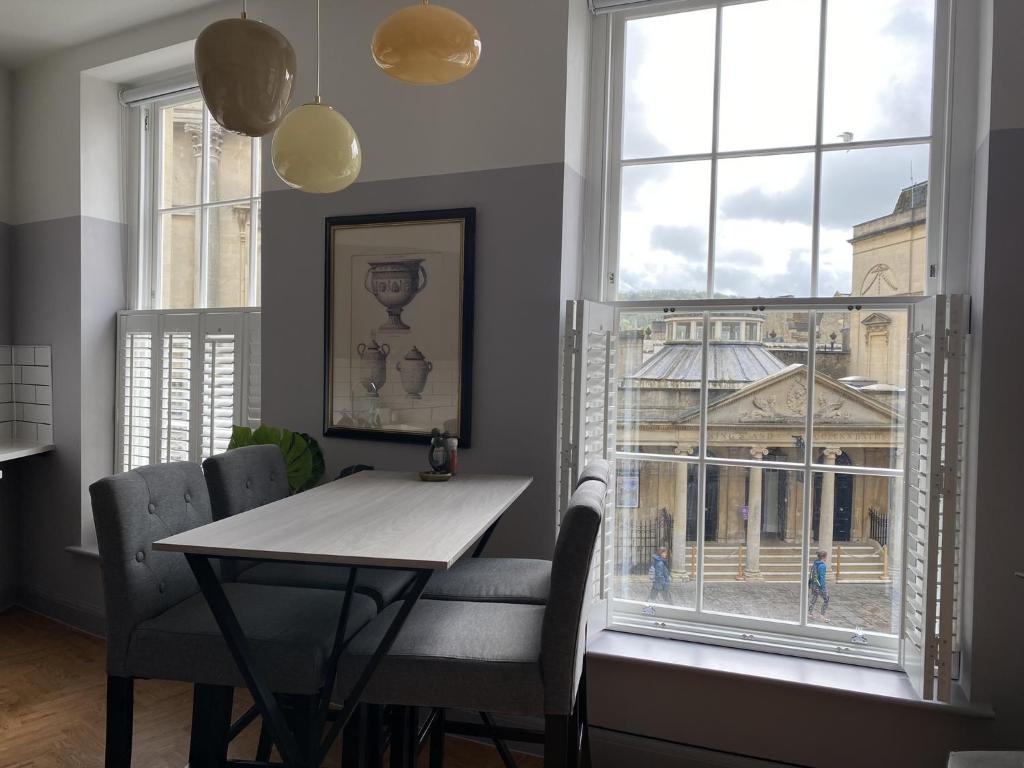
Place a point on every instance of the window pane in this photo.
(763, 235)
(256, 276)
(857, 519)
(753, 556)
(663, 236)
(230, 164)
(181, 155)
(179, 259)
(228, 260)
(655, 551)
(769, 88)
(886, 94)
(668, 86)
(757, 398)
(659, 359)
(860, 387)
(873, 227)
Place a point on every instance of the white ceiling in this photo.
(29, 29)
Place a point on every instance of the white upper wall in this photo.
(6, 156)
(509, 112)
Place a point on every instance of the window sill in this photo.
(840, 679)
(90, 552)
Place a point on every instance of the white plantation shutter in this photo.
(935, 441)
(185, 378)
(588, 413)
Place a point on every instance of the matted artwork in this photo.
(398, 359)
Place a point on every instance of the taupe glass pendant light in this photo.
(426, 45)
(315, 149)
(246, 72)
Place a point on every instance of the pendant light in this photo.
(246, 72)
(315, 149)
(426, 45)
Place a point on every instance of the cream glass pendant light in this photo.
(315, 149)
(426, 45)
(246, 72)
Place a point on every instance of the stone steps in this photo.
(857, 563)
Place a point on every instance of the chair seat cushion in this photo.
(382, 585)
(290, 632)
(493, 579)
(482, 656)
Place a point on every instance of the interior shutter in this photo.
(222, 375)
(588, 412)
(135, 383)
(178, 337)
(935, 448)
(252, 413)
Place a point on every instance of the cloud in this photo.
(691, 243)
(791, 205)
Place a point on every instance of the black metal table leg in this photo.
(264, 698)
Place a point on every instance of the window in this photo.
(767, 185)
(189, 356)
(199, 210)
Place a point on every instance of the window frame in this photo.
(605, 163)
(147, 262)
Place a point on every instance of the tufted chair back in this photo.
(245, 478)
(563, 637)
(131, 511)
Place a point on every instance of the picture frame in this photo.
(398, 325)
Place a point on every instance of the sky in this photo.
(877, 86)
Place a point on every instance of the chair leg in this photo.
(211, 723)
(374, 736)
(120, 708)
(353, 740)
(264, 746)
(403, 737)
(583, 721)
(558, 742)
(437, 741)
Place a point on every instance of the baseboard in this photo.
(613, 749)
(84, 618)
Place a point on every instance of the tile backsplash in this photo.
(26, 400)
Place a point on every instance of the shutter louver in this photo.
(176, 397)
(136, 392)
(219, 387)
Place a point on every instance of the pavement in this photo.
(852, 605)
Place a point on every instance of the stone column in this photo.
(679, 569)
(826, 519)
(752, 563)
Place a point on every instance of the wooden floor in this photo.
(52, 699)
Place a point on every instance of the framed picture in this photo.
(399, 325)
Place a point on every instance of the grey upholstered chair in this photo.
(246, 478)
(503, 579)
(159, 625)
(507, 658)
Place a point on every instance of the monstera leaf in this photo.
(302, 455)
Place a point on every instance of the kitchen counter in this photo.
(18, 449)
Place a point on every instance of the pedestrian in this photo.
(817, 581)
(661, 576)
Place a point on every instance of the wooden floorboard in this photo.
(52, 707)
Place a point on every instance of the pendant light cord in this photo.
(243, 9)
(316, 95)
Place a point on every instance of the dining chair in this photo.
(494, 658)
(160, 626)
(245, 478)
(503, 579)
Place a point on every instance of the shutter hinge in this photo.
(145, 122)
(611, 278)
(572, 341)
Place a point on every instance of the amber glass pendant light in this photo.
(315, 149)
(426, 45)
(246, 72)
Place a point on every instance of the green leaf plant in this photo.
(302, 455)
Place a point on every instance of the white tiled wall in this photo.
(26, 410)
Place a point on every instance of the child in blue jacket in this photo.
(661, 576)
(818, 584)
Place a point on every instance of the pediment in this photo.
(782, 399)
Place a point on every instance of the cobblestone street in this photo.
(867, 606)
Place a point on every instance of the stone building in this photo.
(757, 390)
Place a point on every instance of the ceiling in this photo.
(30, 29)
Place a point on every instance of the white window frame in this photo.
(148, 253)
(948, 227)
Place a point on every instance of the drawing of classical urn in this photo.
(414, 369)
(394, 284)
(373, 373)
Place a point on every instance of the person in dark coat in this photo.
(661, 577)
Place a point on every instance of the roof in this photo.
(915, 196)
(728, 363)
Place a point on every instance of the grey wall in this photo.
(8, 515)
(515, 370)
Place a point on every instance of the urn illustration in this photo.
(414, 369)
(374, 367)
(394, 284)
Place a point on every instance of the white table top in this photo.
(390, 519)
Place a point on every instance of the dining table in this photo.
(371, 519)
